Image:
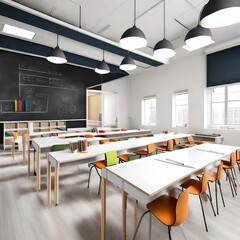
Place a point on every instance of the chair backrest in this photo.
(219, 171)
(190, 139)
(15, 135)
(169, 145)
(58, 147)
(238, 154)
(111, 158)
(138, 136)
(123, 129)
(233, 159)
(89, 136)
(103, 141)
(176, 141)
(101, 131)
(204, 182)
(151, 148)
(182, 207)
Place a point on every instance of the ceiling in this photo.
(109, 19)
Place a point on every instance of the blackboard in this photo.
(54, 92)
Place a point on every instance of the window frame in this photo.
(174, 113)
(143, 109)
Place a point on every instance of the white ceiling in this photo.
(110, 19)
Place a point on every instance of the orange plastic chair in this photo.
(123, 129)
(197, 187)
(215, 177)
(101, 131)
(104, 141)
(228, 167)
(168, 210)
(110, 159)
(89, 136)
(191, 142)
(150, 149)
(164, 148)
(238, 158)
(127, 157)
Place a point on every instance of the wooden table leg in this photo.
(24, 149)
(124, 215)
(38, 170)
(135, 215)
(13, 149)
(28, 162)
(56, 184)
(49, 190)
(103, 208)
(172, 193)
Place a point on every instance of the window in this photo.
(225, 106)
(149, 111)
(180, 109)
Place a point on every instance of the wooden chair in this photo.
(197, 187)
(191, 142)
(110, 159)
(228, 167)
(168, 210)
(151, 148)
(164, 148)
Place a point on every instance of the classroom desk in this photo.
(96, 152)
(44, 144)
(161, 177)
(128, 133)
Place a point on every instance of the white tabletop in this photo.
(147, 178)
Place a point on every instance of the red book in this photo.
(85, 145)
(20, 105)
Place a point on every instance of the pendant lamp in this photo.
(198, 37)
(220, 13)
(133, 38)
(102, 67)
(164, 48)
(56, 55)
(127, 64)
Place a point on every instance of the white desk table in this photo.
(96, 152)
(148, 178)
(44, 144)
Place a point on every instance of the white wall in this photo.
(163, 82)
(121, 86)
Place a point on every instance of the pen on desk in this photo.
(174, 163)
(210, 151)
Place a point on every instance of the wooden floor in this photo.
(25, 214)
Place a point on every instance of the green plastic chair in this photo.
(110, 160)
(58, 147)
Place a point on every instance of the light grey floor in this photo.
(25, 214)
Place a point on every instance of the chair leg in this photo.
(204, 219)
(169, 233)
(89, 175)
(150, 227)
(220, 187)
(99, 187)
(216, 197)
(228, 178)
(210, 199)
(135, 234)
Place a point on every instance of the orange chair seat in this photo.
(163, 148)
(193, 185)
(99, 164)
(141, 152)
(164, 209)
(123, 157)
(226, 164)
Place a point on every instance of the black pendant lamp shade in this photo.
(102, 67)
(133, 38)
(164, 48)
(127, 64)
(56, 55)
(220, 13)
(199, 37)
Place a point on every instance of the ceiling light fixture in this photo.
(127, 64)
(220, 13)
(133, 38)
(16, 31)
(198, 37)
(56, 55)
(164, 48)
(102, 67)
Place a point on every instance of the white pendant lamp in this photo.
(127, 64)
(133, 38)
(56, 55)
(198, 37)
(102, 68)
(220, 13)
(164, 48)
